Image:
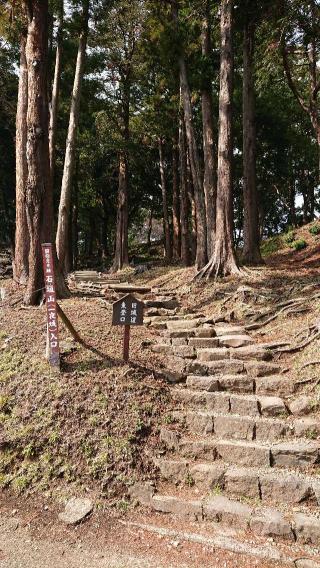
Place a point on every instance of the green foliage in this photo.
(289, 237)
(272, 245)
(314, 230)
(189, 480)
(299, 244)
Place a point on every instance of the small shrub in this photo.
(216, 490)
(314, 230)
(189, 480)
(272, 245)
(168, 419)
(289, 237)
(299, 244)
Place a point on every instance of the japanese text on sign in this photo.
(51, 304)
(128, 311)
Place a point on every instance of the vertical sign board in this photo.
(51, 303)
(127, 311)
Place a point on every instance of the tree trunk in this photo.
(39, 199)
(193, 216)
(223, 261)
(121, 244)
(21, 253)
(292, 218)
(69, 251)
(66, 186)
(104, 236)
(251, 248)
(311, 199)
(149, 228)
(209, 179)
(75, 228)
(184, 209)
(55, 94)
(121, 257)
(175, 202)
(201, 256)
(166, 224)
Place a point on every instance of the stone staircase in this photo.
(242, 447)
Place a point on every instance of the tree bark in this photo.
(209, 179)
(55, 93)
(193, 214)
(166, 224)
(66, 186)
(121, 257)
(149, 227)
(175, 202)
(201, 255)
(121, 243)
(75, 228)
(251, 237)
(21, 252)
(39, 199)
(223, 261)
(184, 209)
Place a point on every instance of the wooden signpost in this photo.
(127, 311)
(53, 350)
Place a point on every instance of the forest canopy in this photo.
(127, 123)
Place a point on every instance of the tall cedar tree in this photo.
(55, 91)
(251, 233)
(21, 251)
(223, 261)
(166, 224)
(39, 202)
(209, 178)
(201, 254)
(63, 230)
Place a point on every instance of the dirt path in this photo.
(31, 536)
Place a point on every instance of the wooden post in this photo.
(52, 349)
(126, 342)
(127, 311)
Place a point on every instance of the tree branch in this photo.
(290, 80)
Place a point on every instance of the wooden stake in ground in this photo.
(53, 350)
(126, 343)
(127, 311)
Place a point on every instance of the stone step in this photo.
(251, 353)
(294, 454)
(243, 482)
(162, 303)
(203, 342)
(225, 402)
(223, 329)
(271, 385)
(160, 312)
(235, 340)
(248, 428)
(234, 366)
(189, 333)
(305, 529)
(184, 324)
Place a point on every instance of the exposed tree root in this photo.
(300, 346)
(309, 363)
(216, 268)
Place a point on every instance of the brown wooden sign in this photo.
(127, 311)
(53, 350)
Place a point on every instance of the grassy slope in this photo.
(94, 424)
